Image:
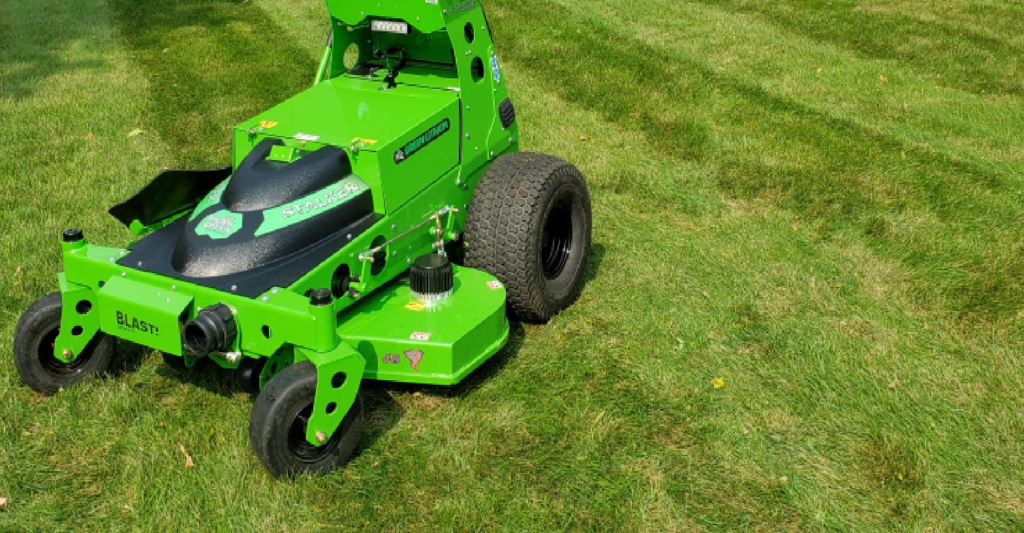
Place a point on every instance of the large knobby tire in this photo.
(34, 357)
(277, 427)
(529, 225)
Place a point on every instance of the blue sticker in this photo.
(494, 69)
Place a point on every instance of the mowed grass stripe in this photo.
(849, 403)
(949, 216)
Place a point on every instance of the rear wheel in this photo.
(34, 339)
(277, 426)
(529, 225)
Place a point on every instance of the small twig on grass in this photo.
(189, 463)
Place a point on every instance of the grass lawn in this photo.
(819, 202)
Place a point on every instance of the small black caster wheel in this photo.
(34, 339)
(248, 373)
(277, 426)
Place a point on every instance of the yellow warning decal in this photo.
(364, 141)
(268, 124)
(415, 306)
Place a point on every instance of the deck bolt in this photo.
(274, 290)
(140, 262)
(394, 227)
(510, 139)
(265, 298)
(66, 353)
(234, 287)
(233, 357)
(350, 236)
(408, 260)
(123, 274)
(477, 148)
(111, 259)
(492, 153)
(467, 135)
(252, 132)
(321, 437)
(168, 300)
(394, 254)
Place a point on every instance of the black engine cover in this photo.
(250, 264)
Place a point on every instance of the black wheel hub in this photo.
(50, 361)
(300, 447)
(556, 239)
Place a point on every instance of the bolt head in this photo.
(321, 437)
(66, 354)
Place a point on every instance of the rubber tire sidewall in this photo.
(504, 229)
(39, 320)
(277, 406)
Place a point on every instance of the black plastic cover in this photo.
(260, 184)
(248, 264)
(169, 193)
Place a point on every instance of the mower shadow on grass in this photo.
(127, 359)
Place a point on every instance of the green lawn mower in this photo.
(378, 225)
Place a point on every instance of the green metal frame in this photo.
(446, 117)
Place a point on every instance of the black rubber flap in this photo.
(431, 274)
(170, 192)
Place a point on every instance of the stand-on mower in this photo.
(324, 254)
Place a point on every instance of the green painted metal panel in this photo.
(143, 314)
(412, 161)
(404, 340)
(345, 108)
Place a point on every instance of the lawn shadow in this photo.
(30, 56)
(211, 64)
(128, 358)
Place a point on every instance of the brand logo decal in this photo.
(424, 139)
(414, 357)
(129, 323)
(336, 195)
(465, 6)
(221, 225)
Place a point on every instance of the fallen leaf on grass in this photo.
(17, 271)
(134, 132)
(222, 148)
(718, 383)
(820, 69)
(189, 463)
(88, 137)
(882, 77)
(3, 504)
(784, 479)
(583, 137)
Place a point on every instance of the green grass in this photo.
(819, 202)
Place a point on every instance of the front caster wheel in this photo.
(34, 339)
(277, 426)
